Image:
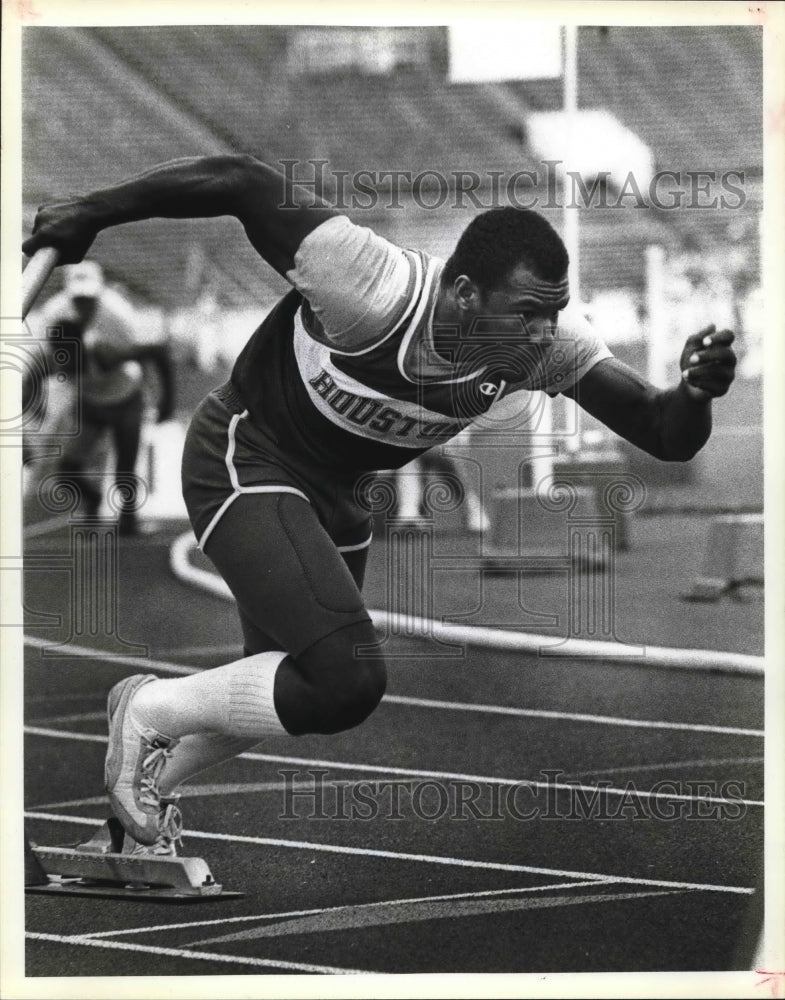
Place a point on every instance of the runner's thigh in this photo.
(289, 580)
(257, 641)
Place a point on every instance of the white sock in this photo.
(196, 753)
(234, 700)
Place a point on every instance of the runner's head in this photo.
(509, 264)
(502, 289)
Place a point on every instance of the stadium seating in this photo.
(185, 90)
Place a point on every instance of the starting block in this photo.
(105, 866)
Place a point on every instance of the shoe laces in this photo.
(152, 767)
(170, 831)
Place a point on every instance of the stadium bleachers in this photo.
(692, 93)
(103, 103)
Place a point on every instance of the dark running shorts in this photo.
(226, 456)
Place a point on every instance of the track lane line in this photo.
(162, 666)
(64, 734)
(287, 914)
(407, 772)
(436, 859)
(539, 713)
(361, 919)
(256, 787)
(233, 649)
(72, 651)
(40, 528)
(201, 956)
(52, 720)
(667, 766)
(43, 699)
(521, 713)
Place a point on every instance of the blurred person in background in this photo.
(376, 355)
(411, 481)
(97, 374)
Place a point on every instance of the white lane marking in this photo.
(535, 713)
(195, 791)
(63, 734)
(40, 699)
(544, 646)
(491, 779)
(520, 713)
(408, 772)
(72, 651)
(671, 765)
(254, 787)
(202, 956)
(92, 800)
(51, 720)
(45, 527)
(361, 917)
(435, 859)
(231, 649)
(538, 713)
(446, 775)
(288, 914)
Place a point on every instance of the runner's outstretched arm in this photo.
(276, 214)
(670, 424)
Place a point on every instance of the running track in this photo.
(478, 841)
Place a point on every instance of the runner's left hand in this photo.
(708, 363)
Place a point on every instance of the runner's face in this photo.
(504, 329)
(511, 307)
(513, 322)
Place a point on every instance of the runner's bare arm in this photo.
(276, 214)
(670, 424)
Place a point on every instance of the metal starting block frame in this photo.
(104, 866)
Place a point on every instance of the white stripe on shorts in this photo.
(237, 489)
(356, 548)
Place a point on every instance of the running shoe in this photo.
(135, 760)
(168, 843)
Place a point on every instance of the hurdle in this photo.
(733, 557)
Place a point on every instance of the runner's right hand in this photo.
(68, 226)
